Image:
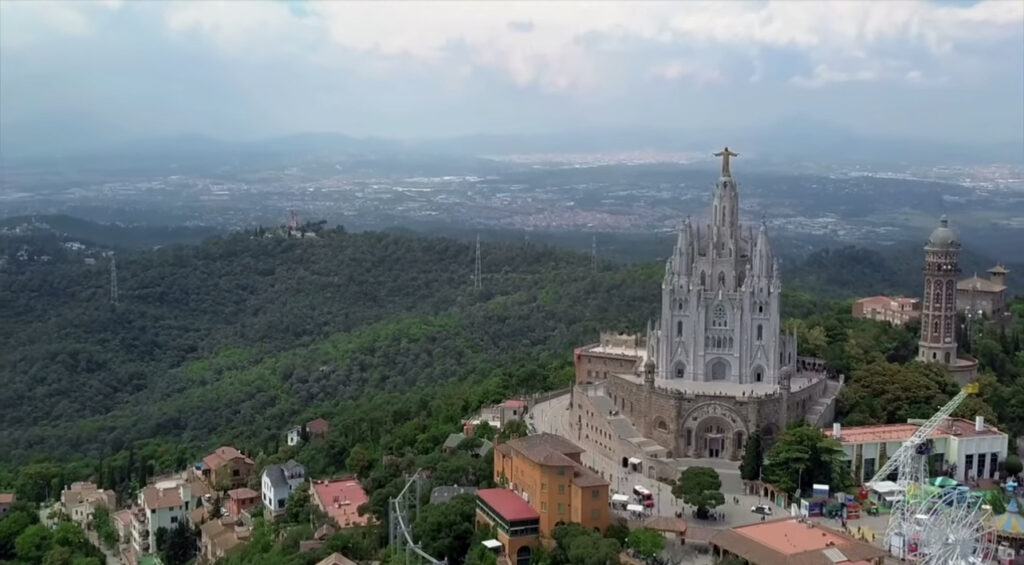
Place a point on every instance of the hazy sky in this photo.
(941, 70)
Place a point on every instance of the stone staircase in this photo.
(820, 407)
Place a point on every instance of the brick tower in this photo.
(938, 311)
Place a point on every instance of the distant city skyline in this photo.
(93, 72)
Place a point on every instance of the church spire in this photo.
(763, 260)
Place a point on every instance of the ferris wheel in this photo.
(951, 528)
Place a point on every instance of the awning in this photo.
(620, 498)
(635, 508)
(893, 497)
(491, 543)
(635, 461)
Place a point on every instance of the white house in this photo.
(162, 505)
(970, 450)
(278, 482)
(295, 436)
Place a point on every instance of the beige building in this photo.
(6, 501)
(968, 450)
(220, 537)
(897, 311)
(985, 295)
(82, 498)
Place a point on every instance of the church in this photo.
(714, 367)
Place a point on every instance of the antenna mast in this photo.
(477, 279)
(113, 280)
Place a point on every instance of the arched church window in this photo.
(679, 328)
(680, 304)
(935, 326)
(949, 285)
(703, 279)
(760, 308)
(758, 376)
(662, 425)
(680, 371)
(947, 358)
(721, 279)
(730, 343)
(760, 332)
(949, 299)
(718, 319)
(937, 299)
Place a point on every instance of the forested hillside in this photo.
(235, 337)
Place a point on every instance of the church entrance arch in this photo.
(717, 370)
(714, 427)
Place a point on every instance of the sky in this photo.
(241, 70)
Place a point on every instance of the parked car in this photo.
(762, 509)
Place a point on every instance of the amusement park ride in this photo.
(933, 526)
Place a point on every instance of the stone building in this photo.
(939, 305)
(897, 311)
(714, 368)
(985, 295)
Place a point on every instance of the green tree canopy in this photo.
(753, 456)
(700, 487)
(646, 543)
(803, 456)
(445, 530)
(576, 545)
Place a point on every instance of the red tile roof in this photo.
(341, 499)
(508, 504)
(514, 403)
(318, 426)
(222, 455)
(957, 427)
(243, 493)
(6, 497)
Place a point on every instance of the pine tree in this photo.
(753, 455)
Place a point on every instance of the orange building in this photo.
(517, 523)
(545, 470)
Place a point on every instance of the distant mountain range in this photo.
(796, 140)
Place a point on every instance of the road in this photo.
(553, 416)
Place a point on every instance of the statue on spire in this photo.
(725, 154)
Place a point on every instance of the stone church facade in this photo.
(714, 367)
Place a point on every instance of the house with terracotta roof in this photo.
(967, 450)
(340, 499)
(317, 428)
(790, 541)
(226, 466)
(897, 311)
(6, 501)
(123, 524)
(82, 498)
(546, 471)
(517, 523)
(218, 538)
(336, 559)
(241, 500)
(164, 504)
(985, 295)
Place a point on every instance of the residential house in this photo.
(6, 502)
(319, 538)
(896, 311)
(123, 524)
(277, 482)
(497, 415)
(336, 559)
(218, 538)
(340, 499)
(968, 450)
(516, 521)
(453, 441)
(226, 467)
(317, 429)
(82, 498)
(164, 504)
(241, 500)
(791, 541)
(545, 470)
(294, 436)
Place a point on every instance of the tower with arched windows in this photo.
(720, 301)
(938, 308)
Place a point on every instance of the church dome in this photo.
(942, 236)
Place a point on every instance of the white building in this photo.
(968, 449)
(161, 505)
(294, 436)
(81, 499)
(277, 482)
(720, 301)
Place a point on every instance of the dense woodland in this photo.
(234, 340)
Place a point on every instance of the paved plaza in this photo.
(553, 416)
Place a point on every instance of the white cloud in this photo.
(686, 71)
(544, 45)
(824, 75)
